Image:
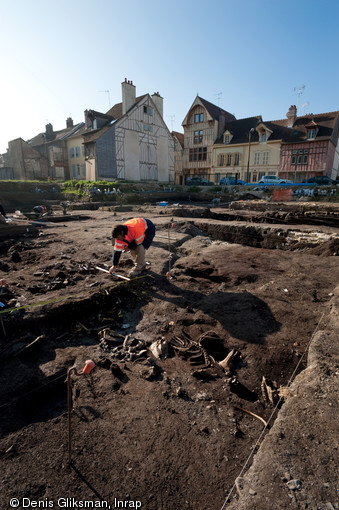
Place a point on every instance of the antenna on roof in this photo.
(172, 117)
(218, 96)
(109, 97)
(299, 91)
(304, 106)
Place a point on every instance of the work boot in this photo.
(137, 270)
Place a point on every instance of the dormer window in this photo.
(263, 132)
(227, 137)
(311, 134)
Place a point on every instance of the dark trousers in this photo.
(149, 234)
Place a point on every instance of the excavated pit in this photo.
(159, 404)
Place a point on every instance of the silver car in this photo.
(273, 179)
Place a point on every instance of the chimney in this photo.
(88, 122)
(69, 122)
(291, 115)
(158, 101)
(49, 132)
(128, 95)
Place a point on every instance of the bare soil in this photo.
(165, 426)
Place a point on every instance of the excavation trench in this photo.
(159, 405)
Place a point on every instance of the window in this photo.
(198, 154)
(311, 134)
(299, 157)
(150, 128)
(256, 157)
(145, 127)
(82, 150)
(77, 151)
(148, 110)
(294, 157)
(71, 151)
(236, 160)
(263, 137)
(229, 159)
(305, 157)
(198, 135)
(198, 117)
(227, 139)
(265, 158)
(74, 170)
(221, 160)
(83, 167)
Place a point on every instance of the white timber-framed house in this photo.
(131, 141)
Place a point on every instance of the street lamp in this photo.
(250, 133)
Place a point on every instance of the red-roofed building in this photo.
(313, 149)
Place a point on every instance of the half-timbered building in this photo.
(131, 141)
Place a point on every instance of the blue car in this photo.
(230, 181)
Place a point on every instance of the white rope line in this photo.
(272, 414)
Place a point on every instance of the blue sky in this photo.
(249, 57)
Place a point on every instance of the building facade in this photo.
(178, 139)
(44, 156)
(76, 154)
(131, 141)
(203, 124)
(295, 148)
(312, 149)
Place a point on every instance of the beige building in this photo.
(178, 156)
(76, 155)
(247, 150)
(203, 124)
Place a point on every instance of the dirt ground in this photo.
(193, 358)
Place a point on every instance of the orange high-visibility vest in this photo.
(136, 232)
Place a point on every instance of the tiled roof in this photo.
(41, 139)
(114, 113)
(116, 110)
(78, 132)
(240, 129)
(215, 111)
(180, 137)
(93, 135)
(325, 123)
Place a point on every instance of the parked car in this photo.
(274, 180)
(198, 181)
(319, 179)
(230, 181)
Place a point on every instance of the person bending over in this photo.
(135, 235)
